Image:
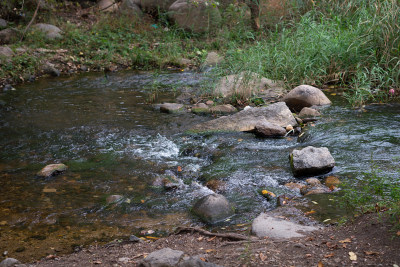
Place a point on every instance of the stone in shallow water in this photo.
(171, 107)
(305, 96)
(52, 169)
(11, 262)
(311, 161)
(113, 199)
(213, 208)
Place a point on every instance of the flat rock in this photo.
(171, 107)
(309, 113)
(247, 120)
(52, 169)
(267, 129)
(163, 258)
(228, 108)
(268, 226)
(213, 208)
(311, 161)
(11, 262)
(305, 96)
(113, 199)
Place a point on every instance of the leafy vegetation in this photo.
(352, 44)
(374, 192)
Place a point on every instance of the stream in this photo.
(115, 143)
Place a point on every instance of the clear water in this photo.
(114, 142)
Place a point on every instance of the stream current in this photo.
(115, 143)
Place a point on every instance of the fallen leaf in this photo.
(142, 200)
(49, 190)
(353, 256)
(333, 94)
(97, 262)
(200, 238)
(344, 246)
(320, 264)
(179, 168)
(211, 239)
(308, 255)
(203, 259)
(210, 250)
(309, 212)
(329, 255)
(262, 257)
(314, 202)
(327, 220)
(347, 240)
(152, 237)
(240, 140)
(398, 233)
(2, 223)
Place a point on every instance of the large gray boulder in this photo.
(195, 15)
(268, 226)
(247, 84)
(51, 32)
(305, 96)
(311, 161)
(107, 5)
(131, 7)
(8, 36)
(213, 208)
(247, 120)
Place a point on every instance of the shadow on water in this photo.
(115, 143)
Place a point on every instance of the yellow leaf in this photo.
(179, 168)
(210, 250)
(347, 240)
(309, 212)
(320, 264)
(353, 256)
(152, 237)
(142, 200)
(49, 190)
(333, 94)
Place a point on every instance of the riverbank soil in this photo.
(369, 240)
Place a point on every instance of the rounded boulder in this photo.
(305, 96)
(213, 208)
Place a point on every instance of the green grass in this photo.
(374, 192)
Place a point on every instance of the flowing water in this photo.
(115, 143)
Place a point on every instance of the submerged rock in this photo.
(247, 120)
(268, 226)
(305, 96)
(52, 169)
(295, 186)
(309, 113)
(311, 161)
(332, 181)
(213, 208)
(113, 199)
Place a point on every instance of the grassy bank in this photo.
(352, 44)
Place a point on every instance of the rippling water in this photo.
(114, 142)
